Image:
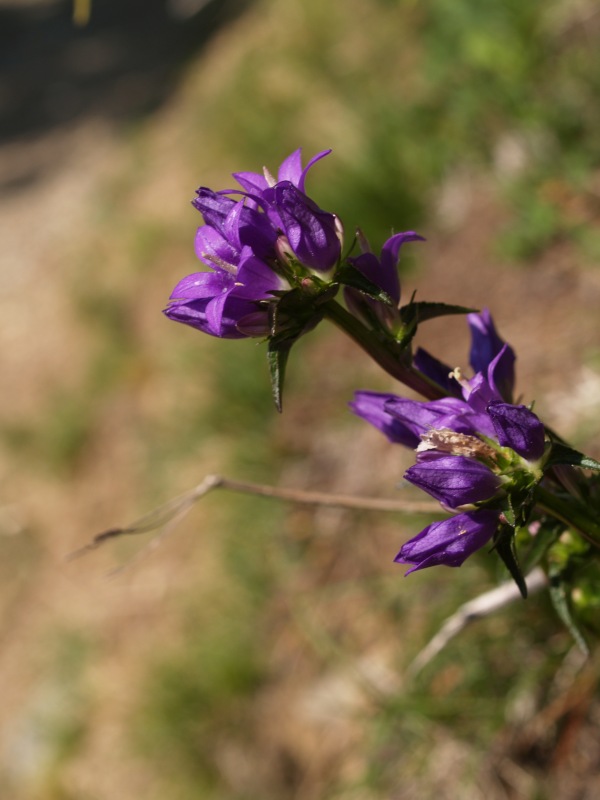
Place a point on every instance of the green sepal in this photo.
(505, 547)
(415, 312)
(562, 454)
(347, 275)
(560, 601)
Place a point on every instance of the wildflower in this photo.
(257, 248)
(489, 356)
(476, 454)
(450, 541)
(454, 480)
(488, 348)
(383, 273)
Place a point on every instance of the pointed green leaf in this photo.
(277, 356)
(414, 313)
(561, 454)
(506, 550)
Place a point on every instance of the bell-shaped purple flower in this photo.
(449, 542)
(453, 480)
(383, 273)
(245, 245)
(489, 350)
(220, 302)
(313, 234)
(518, 428)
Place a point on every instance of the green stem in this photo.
(387, 353)
(571, 512)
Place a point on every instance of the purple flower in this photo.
(490, 357)
(518, 428)
(383, 273)
(313, 234)
(453, 480)
(224, 303)
(487, 349)
(244, 244)
(450, 541)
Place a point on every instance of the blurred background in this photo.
(261, 651)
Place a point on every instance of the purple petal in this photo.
(390, 253)
(214, 314)
(252, 182)
(255, 279)
(193, 313)
(231, 225)
(450, 541)
(501, 373)
(202, 284)
(518, 428)
(454, 480)
(371, 406)
(213, 206)
(213, 249)
(486, 344)
(421, 416)
(311, 232)
(436, 371)
(291, 169)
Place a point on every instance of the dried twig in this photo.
(166, 517)
(482, 606)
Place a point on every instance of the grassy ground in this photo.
(261, 651)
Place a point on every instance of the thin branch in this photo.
(166, 517)
(482, 606)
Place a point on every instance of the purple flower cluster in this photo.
(256, 246)
(473, 450)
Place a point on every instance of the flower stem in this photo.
(386, 352)
(571, 512)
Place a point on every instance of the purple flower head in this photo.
(518, 428)
(449, 542)
(453, 480)
(241, 243)
(383, 273)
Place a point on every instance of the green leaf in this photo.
(414, 313)
(347, 275)
(558, 595)
(561, 454)
(277, 356)
(505, 547)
